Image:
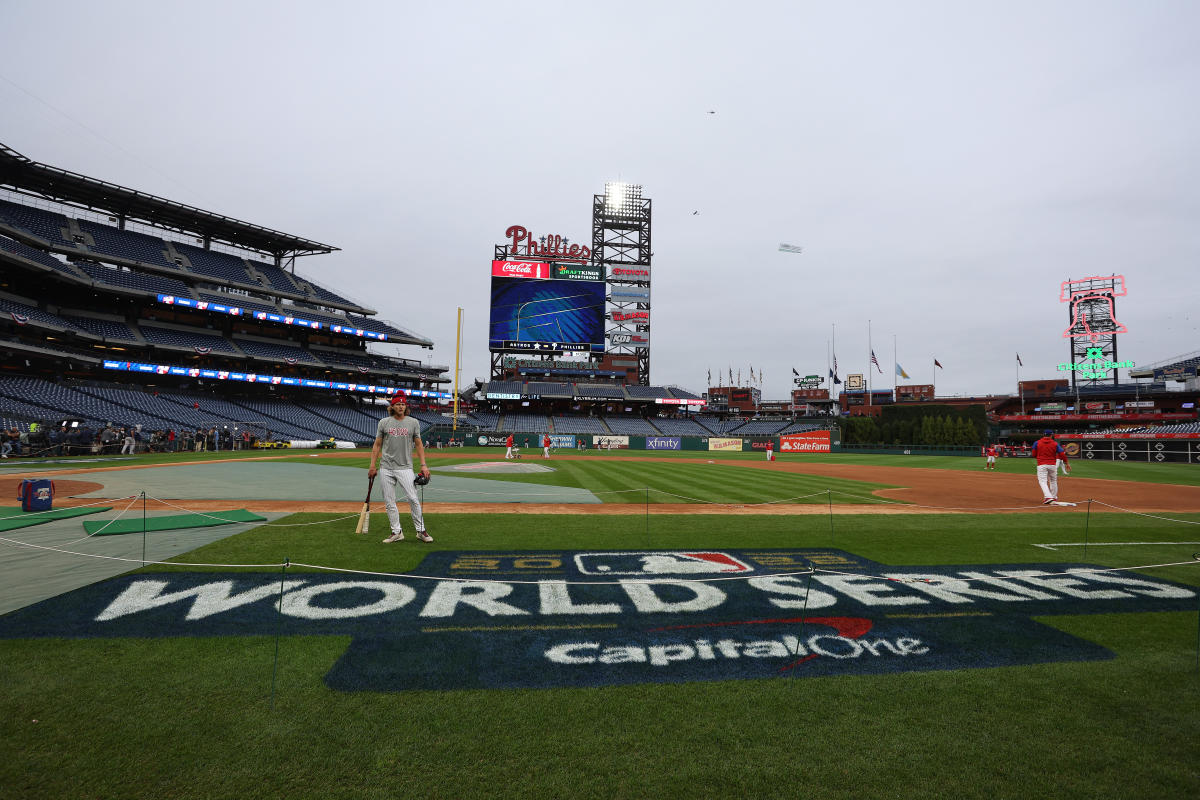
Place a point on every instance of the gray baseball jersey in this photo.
(398, 436)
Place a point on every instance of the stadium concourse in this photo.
(275, 483)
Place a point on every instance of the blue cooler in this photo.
(36, 494)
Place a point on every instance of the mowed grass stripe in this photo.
(670, 481)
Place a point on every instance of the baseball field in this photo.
(605, 625)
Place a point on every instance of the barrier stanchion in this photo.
(1087, 523)
(278, 629)
(829, 499)
(647, 517)
(143, 528)
(803, 618)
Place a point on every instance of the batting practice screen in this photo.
(565, 315)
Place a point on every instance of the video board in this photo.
(544, 314)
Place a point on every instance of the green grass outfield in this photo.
(182, 718)
(1182, 474)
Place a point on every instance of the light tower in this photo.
(621, 247)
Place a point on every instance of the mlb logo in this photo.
(661, 563)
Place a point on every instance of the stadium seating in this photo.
(36, 316)
(542, 389)
(291, 416)
(127, 244)
(278, 352)
(276, 277)
(38, 256)
(45, 224)
(720, 426)
(215, 264)
(187, 340)
(564, 424)
(631, 426)
(680, 427)
(238, 301)
(647, 392)
(522, 422)
(104, 328)
(762, 427)
(132, 279)
(484, 420)
(683, 394)
(63, 401)
(800, 427)
(321, 293)
(504, 387)
(605, 390)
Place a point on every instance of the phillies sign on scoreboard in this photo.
(813, 442)
(520, 269)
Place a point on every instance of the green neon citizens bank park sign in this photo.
(1095, 365)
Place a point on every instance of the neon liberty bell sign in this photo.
(1092, 316)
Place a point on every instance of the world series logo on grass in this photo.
(588, 618)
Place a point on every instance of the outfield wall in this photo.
(812, 442)
(1136, 450)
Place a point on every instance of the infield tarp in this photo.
(171, 523)
(13, 518)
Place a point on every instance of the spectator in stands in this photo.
(171, 443)
(7, 445)
(201, 440)
(214, 438)
(55, 439)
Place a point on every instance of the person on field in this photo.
(509, 444)
(546, 446)
(770, 451)
(990, 453)
(1047, 453)
(397, 436)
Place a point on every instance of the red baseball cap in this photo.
(400, 397)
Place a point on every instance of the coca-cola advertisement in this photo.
(521, 269)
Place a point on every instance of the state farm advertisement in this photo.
(715, 443)
(814, 442)
(520, 269)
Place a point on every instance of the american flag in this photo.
(875, 361)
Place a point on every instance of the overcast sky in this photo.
(945, 165)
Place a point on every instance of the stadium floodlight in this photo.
(622, 199)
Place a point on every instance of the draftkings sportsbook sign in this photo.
(594, 618)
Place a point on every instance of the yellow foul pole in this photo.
(457, 354)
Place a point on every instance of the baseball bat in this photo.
(364, 516)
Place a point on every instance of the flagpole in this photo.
(1019, 391)
(870, 352)
(895, 367)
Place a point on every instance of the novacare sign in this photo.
(544, 619)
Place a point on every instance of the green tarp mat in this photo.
(134, 524)
(13, 518)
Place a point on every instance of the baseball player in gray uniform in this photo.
(396, 436)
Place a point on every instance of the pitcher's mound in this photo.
(497, 466)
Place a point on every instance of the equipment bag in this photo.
(36, 494)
